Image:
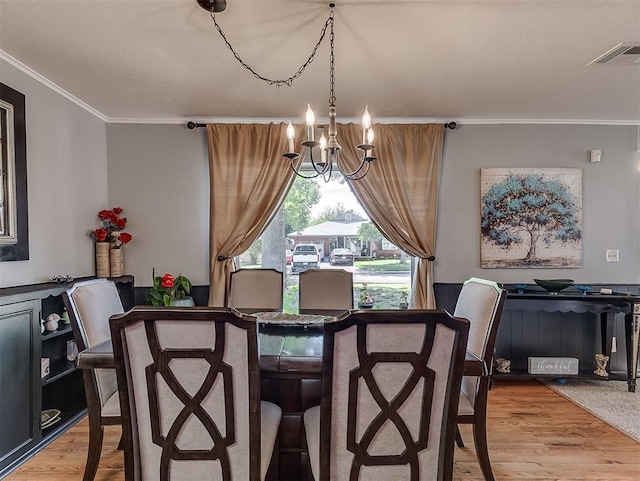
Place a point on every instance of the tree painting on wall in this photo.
(531, 218)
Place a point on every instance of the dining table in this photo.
(290, 359)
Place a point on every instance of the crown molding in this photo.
(265, 120)
(382, 120)
(52, 85)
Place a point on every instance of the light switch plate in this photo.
(612, 255)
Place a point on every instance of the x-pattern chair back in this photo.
(191, 409)
(390, 387)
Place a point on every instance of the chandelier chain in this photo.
(332, 67)
(279, 83)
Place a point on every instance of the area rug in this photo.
(609, 401)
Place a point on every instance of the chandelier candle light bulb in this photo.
(366, 124)
(290, 135)
(311, 119)
(323, 152)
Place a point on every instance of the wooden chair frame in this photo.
(94, 406)
(221, 317)
(303, 291)
(431, 318)
(270, 273)
(479, 417)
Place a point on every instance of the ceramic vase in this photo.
(103, 268)
(116, 259)
(185, 301)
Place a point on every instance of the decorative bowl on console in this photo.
(520, 288)
(554, 285)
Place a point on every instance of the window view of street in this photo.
(321, 225)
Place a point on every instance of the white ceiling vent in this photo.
(622, 54)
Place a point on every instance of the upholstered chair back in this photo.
(90, 304)
(325, 291)
(481, 302)
(390, 387)
(191, 407)
(256, 290)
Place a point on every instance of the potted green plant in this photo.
(404, 301)
(170, 291)
(366, 300)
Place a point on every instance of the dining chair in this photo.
(90, 304)
(256, 290)
(390, 388)
(190, 395)
(481, 302)
(325, 291)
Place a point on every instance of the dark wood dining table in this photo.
(290, 367)
(283, 349)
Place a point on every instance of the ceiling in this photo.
(481, 61)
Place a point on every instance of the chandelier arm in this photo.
(277, 82)
(363, 161)
(297, 172)
(305, 176)
(314, 164)
(361, 175)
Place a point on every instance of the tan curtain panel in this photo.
(400, 193)
(249, 178)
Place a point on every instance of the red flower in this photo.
(167, 281)
(125, 238)
(101, 234)
(111, 223)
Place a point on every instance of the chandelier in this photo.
(323, 154)
(329, 149)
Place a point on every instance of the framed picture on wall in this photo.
(531, 218)
(14, 221)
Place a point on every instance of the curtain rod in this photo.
(195, 125)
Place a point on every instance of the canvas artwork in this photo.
(531, 218)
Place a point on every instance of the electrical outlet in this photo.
(612, 255)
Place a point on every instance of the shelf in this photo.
(68, 418)
(582, 374)
(57, 370)
(63, 329)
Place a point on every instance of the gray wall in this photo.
(66, 183)
(610, 196)
(159, 174)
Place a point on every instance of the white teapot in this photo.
(52, 322)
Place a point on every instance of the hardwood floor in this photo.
(534, 435)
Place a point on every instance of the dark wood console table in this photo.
(600, 304)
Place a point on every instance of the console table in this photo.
(604, 305)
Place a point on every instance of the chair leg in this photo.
(482, 448)
(96, 432)
(459, 440)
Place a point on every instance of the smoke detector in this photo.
(621, 54)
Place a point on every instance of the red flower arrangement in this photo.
(112, 223)
(167, 288)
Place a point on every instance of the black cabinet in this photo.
(19, 379)
(27, 387)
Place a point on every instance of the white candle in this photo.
(311, 118)
(366, 124)
(323, 144)
(290, 135)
